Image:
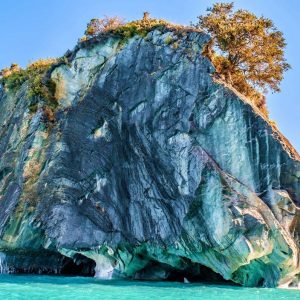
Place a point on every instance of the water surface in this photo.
(55, 287)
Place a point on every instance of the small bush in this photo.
(117, 26)
(168, 40)
(38, 86)
(12, 77)
(140, 27)
(175, 45)
(97, 26)
(14, 68)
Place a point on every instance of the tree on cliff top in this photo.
(247, 51)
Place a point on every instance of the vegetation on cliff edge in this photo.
(39, 86)
(247, 51)
(116, 25)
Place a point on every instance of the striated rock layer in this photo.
(151, 170)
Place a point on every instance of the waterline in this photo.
(17, 287)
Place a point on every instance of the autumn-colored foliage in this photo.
(14, 68)
(12, 76)
(247, 51)
(126, 30)
(96, 26)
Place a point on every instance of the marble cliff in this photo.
(150, 169)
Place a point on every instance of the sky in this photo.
(33, 29)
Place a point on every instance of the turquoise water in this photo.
(74, 288)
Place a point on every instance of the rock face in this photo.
(151, 170)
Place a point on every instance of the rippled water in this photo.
(51, 287)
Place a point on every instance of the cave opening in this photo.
(79, 265)
(193, 273)
(45, 263)
(199, 274)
